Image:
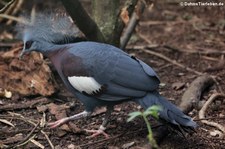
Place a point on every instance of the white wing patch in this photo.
(86, 84)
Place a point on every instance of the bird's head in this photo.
(45, 30)
(29, 45)
(33, 42)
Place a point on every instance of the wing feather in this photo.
(124, 76)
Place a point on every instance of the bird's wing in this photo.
(108, 73)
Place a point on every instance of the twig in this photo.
(99, 141)
(26, 139)
(192, 95)
(28, 104)
(36, 143)
(8, 45)
(12, 18)
(166, 58)
(219, 66)
(206, 51)
(130, 7)
(15, 8)
(210, 118)
(25, 142)
(114, 137)
(203, 110)
(49, 141)
(19, 118)
(171, 61)
(137, 47)
(132, 24)
(145, 38)
(7, 6)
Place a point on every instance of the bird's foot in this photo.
(100, 131)
(58, 123)
(67, 119)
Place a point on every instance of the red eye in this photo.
(28, 44)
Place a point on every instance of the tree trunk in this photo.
(83, 20)
(105, 14)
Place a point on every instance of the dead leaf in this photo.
(178, 85)
(72, 146)
(42, 108)
(216, 133)
(99, 111)
(128, 145)
(124, 15)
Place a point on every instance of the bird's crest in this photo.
(56, 28)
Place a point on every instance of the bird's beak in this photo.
(22, 53)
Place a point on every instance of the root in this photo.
(206, 106)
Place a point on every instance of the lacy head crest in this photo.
(55, 28)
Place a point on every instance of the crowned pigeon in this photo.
(99, 74)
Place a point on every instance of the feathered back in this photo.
(56, 28)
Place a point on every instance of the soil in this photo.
(190, 32)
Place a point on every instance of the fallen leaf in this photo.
(216, 133)
(124, 15)
(99, 111)
(42, 108)
(178, 85)
(113, 147)
(128, 145)
(72, 146)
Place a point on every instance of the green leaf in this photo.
(153, 111)
(133, 115)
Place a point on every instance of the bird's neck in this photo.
(52, 50)
(56, 55)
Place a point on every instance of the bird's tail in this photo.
(169, 112)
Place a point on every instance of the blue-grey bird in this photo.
(98, 74)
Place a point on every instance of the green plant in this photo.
(153, 111)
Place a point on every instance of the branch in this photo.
(13, 18)
(7, 6)
(130, 6)
(171, 61)
(132, 24)
(83, 20)
(192, 95)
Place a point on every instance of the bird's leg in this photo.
(67, 119)
(102, 128)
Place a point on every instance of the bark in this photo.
(193, 94)
(105, 14)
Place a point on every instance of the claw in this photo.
(57, 123)
(100, 131)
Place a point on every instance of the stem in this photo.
(147, 123)
(150, 134)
